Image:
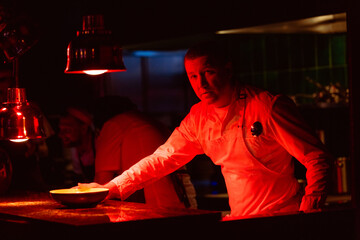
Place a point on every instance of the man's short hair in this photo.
(216, 52)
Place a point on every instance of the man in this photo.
(127, 136)
(77, 133)
(123, 136)
(250, 133)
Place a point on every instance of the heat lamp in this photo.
(19, 120)
(94, 51)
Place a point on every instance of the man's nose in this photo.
(203, 81)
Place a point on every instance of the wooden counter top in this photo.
(41, 215)
(37, 216)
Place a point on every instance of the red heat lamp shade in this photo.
(94, 51)
(19, 121)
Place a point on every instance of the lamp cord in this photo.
(16, 72)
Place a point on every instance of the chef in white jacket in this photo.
(249, 132)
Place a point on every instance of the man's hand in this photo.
(84, 186)
(312, 202)
(113, 190)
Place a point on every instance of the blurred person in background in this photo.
(125, 135)
(77, 132)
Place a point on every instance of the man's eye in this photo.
(210, 71)
(192, 76)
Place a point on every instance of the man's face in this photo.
(211, 83)
(70, 131)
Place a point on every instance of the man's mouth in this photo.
(206, 93)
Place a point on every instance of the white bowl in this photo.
(79, 198)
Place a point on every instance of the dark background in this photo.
(134, 22)
(137, 23)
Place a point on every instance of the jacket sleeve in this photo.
(298, 139)
(180, 148)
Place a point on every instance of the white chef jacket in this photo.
(258, 170)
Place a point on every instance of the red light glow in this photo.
(36, 123)
(24, 127)
(67, 57)
(95, 72)
(19, 140)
